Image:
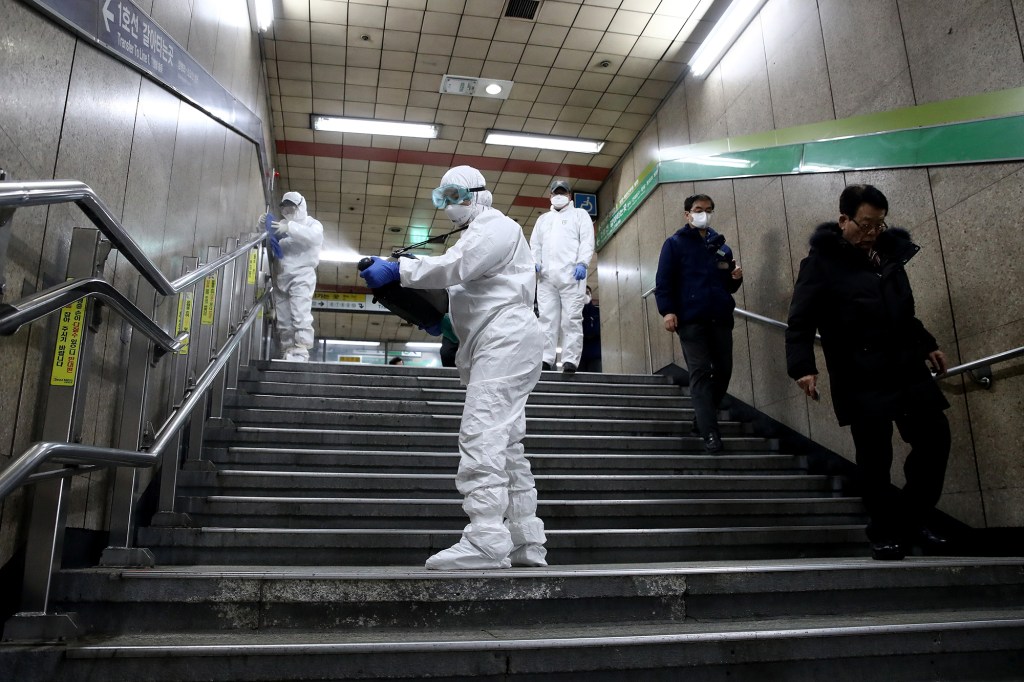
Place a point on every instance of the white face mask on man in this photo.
(559, 201)
(700, 220)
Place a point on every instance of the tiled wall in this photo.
(803, 61)
(178, 180)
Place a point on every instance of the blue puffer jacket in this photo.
(694, 279)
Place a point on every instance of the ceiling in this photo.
(584, 68)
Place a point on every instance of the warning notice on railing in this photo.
(185, 317)
(251, 274)
(69, 343)
(209, 300)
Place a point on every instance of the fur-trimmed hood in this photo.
(894, 243)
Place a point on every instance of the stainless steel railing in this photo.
(969, 367)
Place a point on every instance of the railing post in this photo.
(204, 351)
(64, 398)
(169, 457)
(225, 320)
(240, 303)
(256, 335)
(129, 481)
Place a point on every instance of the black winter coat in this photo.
(875, 348)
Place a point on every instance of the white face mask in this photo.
(460, 215)
(699, 220)
(560, 201)
(586, 299)
(288, 212)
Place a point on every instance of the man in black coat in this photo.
(853, 288)
(696, 279)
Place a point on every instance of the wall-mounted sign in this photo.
(588, 202)
(358, 303)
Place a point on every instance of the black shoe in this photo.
(568, 368)
(930, 541)
(887, 551)
(713, 442)
(546, 365)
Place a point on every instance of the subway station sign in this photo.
(354, 303)
(130, 34)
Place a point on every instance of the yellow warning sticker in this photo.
(185, 317)
(251, 274)
(69, 342)
(209, 300)
(349, 358)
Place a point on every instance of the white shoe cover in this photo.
(529, 555)
(296, 355)
(462, 556)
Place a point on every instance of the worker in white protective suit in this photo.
(301, 237)
(489, 274)
(563, 246)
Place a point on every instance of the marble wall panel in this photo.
(868, 69)
(705, 107)
(985, 285)
(173, 17)
(744, 72)
(634, 359)
(673, 123)
(958, 48)
(611, 353)
(797, 71)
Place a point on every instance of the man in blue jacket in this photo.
(697, 276)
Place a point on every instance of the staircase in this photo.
(316, 506)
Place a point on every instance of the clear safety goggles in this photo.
(452, 194)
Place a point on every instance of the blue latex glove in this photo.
(275, 246)
(581, 272)
(433, 330)
(380, 273)
(537, 266)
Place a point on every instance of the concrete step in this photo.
(382, 372)
(120, 601)
(533, 410)
(405, 461)
(963, 645)
(341, 484)
(368, 512)
(447, 441)
(265, 386)
(411, 547)
(588, 384)
(449, 423)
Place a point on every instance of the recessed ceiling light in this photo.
(369, 126)
(264, 14)
(564, 144)
(471, 86)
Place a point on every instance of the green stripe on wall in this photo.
(940, 133)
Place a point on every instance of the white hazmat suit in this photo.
(562, 239)
(489, 274)
(301, 238)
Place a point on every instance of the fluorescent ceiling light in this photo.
(369, 126)
(264, 14)
(422, 344)
(563, 144)
(723, 35)
(368, 344)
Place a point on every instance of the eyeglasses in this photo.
(452, 194)
(878, 227)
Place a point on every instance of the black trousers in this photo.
(893, 513)
(707, 347)
(448, 350)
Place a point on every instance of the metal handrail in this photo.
(21, 470)
(45, 192)
(15, 315)
(951, 372)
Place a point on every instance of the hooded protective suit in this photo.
(489, 274)
(562, 239)
(301, 238)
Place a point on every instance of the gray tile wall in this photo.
(177, 179)
(802, 62)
